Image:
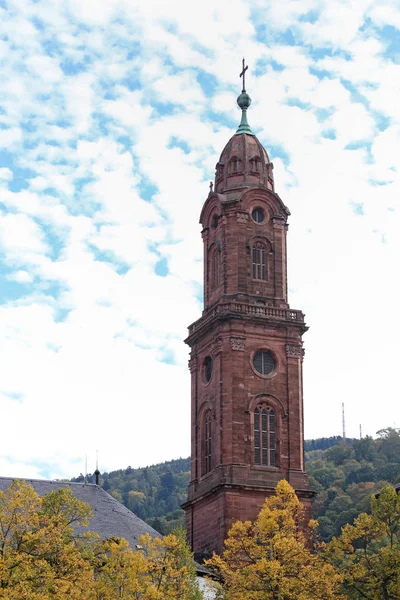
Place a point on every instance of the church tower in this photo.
(246, 350)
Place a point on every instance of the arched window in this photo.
(259, 261)
(264, 436)
(208, 368)
(207, 443)
(214, 267)
(255, 164)
(234, 165)
(214, 221)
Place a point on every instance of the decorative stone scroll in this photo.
(278, 221)
(216, 347)
(192, 364)
(238, 343)
(294, 351)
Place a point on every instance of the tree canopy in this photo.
(368, 552)
(344, 473)
(41, 557)
(274, 559)
(279, 557)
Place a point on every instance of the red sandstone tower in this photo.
(246, 351)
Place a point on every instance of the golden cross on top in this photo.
(242, 74)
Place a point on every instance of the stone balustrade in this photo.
(266, 312)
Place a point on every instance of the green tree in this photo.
(368, 552)
(324, 472)
(326, 528)
(338, 454)
(365, 449)
(363, 471)
(389, 443)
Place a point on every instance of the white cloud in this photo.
(6, 174)
(10, 137)
(385, 151)
(386, 13)
(115, 115)
(20, 237)
(45, 67)
(20, 276)
(338, 24)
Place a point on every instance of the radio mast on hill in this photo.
(343, 423)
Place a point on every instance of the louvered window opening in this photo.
(208, 366)
(234, 165)
(214, 264)
(264, 362)
(207, 445)
(264, 437)
(259, 262)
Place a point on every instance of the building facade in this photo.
(246, 351)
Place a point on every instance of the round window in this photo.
(208, 367)
(258, 214)
(263, 362)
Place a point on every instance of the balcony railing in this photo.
(264, 312)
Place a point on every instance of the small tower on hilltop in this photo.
(246, 350)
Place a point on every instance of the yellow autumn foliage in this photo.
(275, 558)
(42, 559)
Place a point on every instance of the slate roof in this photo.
(110, 517)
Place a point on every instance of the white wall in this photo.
(207, 593)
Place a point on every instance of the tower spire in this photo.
(241, 448)
(244, 102)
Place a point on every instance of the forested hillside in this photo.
(154, 493)
(343, 473)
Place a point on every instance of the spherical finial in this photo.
(244, 101)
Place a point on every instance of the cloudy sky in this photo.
(112, 117)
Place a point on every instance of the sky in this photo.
(113, 114)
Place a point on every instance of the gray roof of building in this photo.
(110, 518)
